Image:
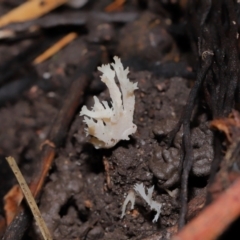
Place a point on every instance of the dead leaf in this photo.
(12, 202)
(229, 126)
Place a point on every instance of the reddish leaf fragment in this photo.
(12, 201)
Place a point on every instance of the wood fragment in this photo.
(29, 198)
(16, 229)
(55, 48)
(30, 10)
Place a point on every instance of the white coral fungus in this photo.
(139, 188)
(107, 126)
(130, 198)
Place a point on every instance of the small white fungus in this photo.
(140, 190)
(130, 198)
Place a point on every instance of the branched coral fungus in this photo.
(108, 125)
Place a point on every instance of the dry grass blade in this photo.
(29, 198)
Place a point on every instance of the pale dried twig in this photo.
(29, 198)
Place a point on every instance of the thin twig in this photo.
(188, 157)
(55, 48)
(29, 198)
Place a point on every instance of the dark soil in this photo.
(84, 192)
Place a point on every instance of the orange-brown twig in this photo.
(215, 218)
(30, 10)
(55, 48)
